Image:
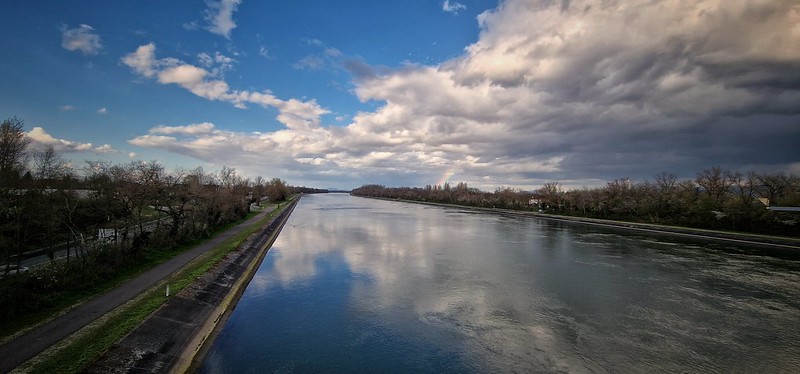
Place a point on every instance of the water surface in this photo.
(361, 285)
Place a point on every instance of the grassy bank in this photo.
(60, 302)
(78, 350)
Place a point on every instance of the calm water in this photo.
(360, 285)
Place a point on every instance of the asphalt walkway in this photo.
(21, 349)
(179, 333)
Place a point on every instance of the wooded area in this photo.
(103, 219)
(715, 199)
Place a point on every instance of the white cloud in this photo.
(292, 112)
(218, 63)
(576, 91)
(205, 59)
(102, 111)
(142, 60)
(263, 52)
(191, 26)
(309, 62)
(220, 16)
(194, 129)
(184, 75)
(82, 38)
(296, 114)
(452, 7)
(203, 137)
(104, 149)
(67, 108)
(333, 52)
(325, 57)
(41, 138)
(132, 155)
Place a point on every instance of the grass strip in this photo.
(77, 351)
(67, 300)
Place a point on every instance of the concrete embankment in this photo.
(28, 345)
(176, 336)
(743, 238)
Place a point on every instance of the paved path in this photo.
(15, 352)
(169, 339)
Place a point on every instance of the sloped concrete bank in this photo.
(178, 333)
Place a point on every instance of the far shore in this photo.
(727, 236)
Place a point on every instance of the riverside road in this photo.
(24, 347)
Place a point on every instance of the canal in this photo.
(362, 285)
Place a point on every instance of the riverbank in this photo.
(743, 238)
(176, 336)
(90, 329)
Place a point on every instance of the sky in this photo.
(337, 94)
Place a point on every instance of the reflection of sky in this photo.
(479, 292)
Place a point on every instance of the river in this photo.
(363, 285)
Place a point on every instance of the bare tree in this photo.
(228, 176)
(49, 169)
(14, 208)
(744, 186)
(666, 194)
(773, 186)
(277, 190)
(13, 150)
(666, 183)
(552, 194)
(716, 184)
(259, 188)
(174, 199)
(48, 165)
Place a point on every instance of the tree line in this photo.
(108, 217)
(715, 199)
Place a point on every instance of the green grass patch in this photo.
(97, 339)
(73, 355)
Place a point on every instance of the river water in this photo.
(362, 285)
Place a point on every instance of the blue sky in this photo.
(337, 94)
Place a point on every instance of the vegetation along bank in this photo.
(717, 203)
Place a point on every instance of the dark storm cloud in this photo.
(580, 91)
